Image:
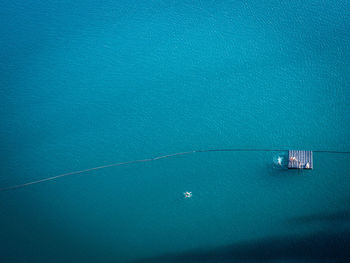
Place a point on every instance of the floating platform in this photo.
(300, 159)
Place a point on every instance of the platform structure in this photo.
(300, 159)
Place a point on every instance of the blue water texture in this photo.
(88, 83)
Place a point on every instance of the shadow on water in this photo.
(317, 246)
(336, 217)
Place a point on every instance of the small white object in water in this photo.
(188, 194)
(279, 160)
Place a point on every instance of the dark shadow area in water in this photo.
(315, 247)
(319, 246)
(336, 217)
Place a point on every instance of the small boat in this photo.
(188, 194)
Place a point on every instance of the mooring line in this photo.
(150, 160)
(323, 151)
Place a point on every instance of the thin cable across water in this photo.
(92, 169)
(150, 160)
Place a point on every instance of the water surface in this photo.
(85, 84)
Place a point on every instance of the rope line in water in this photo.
(92, 169)
(150, 160)
(321, 151)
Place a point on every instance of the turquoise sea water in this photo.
(89, 83)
